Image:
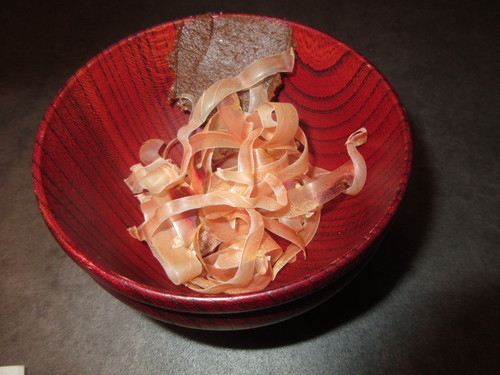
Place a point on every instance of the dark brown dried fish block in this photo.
(210, 48)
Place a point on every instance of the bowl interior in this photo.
(91, 134)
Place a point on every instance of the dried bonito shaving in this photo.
(244, 181)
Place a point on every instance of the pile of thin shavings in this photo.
(244, 181)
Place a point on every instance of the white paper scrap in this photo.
(11, 370)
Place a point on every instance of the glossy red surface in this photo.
(92, 132)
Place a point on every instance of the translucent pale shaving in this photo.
(243, 182)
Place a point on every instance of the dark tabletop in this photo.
(428, 303)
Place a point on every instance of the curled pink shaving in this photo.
(244, 181)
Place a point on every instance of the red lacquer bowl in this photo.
(91, 135)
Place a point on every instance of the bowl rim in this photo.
(220, 303)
